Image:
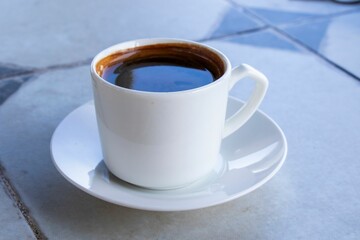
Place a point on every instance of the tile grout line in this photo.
(247, 11)
(88, 61)
(245, 32)
(37, 71)
(14, 75)
(20, 205)
(298, 42)
(319, 18)
(48, 69)
(300, 21)
(309, 49)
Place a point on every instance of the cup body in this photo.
(160, 140)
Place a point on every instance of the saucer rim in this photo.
(174, 208)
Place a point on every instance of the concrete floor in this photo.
(308, 49)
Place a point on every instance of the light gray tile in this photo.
(8, 70)
(39, 34)
(336, 38)
(285, 11)
(12, 223)
(314, 196)
(11, 85)
(318, 108)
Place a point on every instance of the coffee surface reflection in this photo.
(160, 68)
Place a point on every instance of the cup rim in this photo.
(152, 41)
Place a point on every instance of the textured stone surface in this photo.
(9, 70)
(12, 223)
(287, 11)
(336, 38)
(39, 34)
(314, 196)
(11, 85)
(8, 87)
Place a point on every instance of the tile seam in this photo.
(309, 49)
(297, 42)
(250, 31)
(11, 191)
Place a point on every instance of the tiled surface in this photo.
(9, 70)
(314, 196)
(12, 224)
(39, 34)
(11, 85)
(287, 11)
(336, 38)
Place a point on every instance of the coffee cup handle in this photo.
(243, 114)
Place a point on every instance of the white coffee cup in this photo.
(164, 140)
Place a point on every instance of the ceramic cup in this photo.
(164, 140)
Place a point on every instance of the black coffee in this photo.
(161, 68)
(158, 74)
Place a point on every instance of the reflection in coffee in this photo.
(161, 68)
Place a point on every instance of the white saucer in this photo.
(251, 156)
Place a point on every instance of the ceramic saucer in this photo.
(250, 157)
